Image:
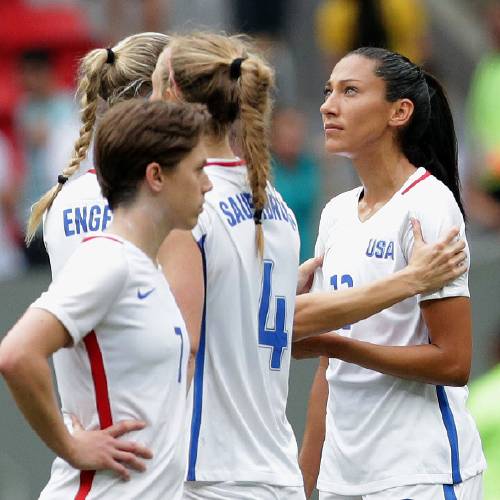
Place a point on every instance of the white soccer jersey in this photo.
(239, 429)
(128, 361)
(383, 431)
(78, 209)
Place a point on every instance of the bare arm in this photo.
(24, 354)
(314, 434)
(445, 360)
(182, 265)
(429, 269)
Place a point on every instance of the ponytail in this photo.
(256, 81)
(440, 142)
(110, 75)
(89, 85)
(223, 73)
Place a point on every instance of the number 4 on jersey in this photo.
(276, 337)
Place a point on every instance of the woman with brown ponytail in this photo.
(106, 77)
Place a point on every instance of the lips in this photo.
(332, 126)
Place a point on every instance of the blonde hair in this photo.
(110, 76)
(222, 73)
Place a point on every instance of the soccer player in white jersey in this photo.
(123, 376)
(75, 207)
(235, 279)
(396, 422)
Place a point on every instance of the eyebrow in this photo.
(329, 84)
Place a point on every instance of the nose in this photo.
(330, 106)
(206, 184)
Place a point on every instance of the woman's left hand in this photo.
(306, 274)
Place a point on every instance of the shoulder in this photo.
(339, 203)
(431, 199)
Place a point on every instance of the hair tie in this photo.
(61, 179)
(235, 68)
(111, 56)
(257, 216)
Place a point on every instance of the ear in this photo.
(154, 177)
(402, 111)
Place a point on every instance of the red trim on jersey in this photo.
(415, 182)
(225, 163)
(102, 402)
(91, 171)
(86, 479)
(88, 238)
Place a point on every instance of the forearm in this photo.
(30, 383)
(317, 313)
(427, 363)
(314, 433)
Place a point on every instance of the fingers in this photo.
(417, 230)
(120, 469)
(130, 460)
(451, 235)
(135, 448)
(77, 426)
(125, 426)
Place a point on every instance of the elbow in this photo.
(458, 375)
(9, 362)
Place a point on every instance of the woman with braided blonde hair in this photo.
(239, 266)
(106, 77)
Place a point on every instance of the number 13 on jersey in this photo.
(274, 337)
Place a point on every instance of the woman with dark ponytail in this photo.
(397, 426)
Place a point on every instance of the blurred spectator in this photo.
(265, 21)
(11, 257)
(47, 123)
(484, 405)
(344, 25)
(483, 109)
(296, 174)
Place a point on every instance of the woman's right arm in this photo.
(24, 354)
(314, 433)
(430, 267)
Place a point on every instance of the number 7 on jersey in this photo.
(274, 337)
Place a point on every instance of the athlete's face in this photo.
(356, 114)
(185, 188)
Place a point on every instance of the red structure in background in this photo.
(63, 30)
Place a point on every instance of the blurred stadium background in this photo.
(41, 40)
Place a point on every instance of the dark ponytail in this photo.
(429, 139)
(440, 142)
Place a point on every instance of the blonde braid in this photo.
(255, 107)
(127, 73)
(91, 69)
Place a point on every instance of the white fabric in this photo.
(195, 490)
(239, 429)
(112, 289)
(78, 209)
(384, 431)
(471, 489)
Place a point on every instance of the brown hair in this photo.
(109, 75)
(222, 73)
(134, 134)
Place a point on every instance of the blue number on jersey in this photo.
(345, 279)
(276, 338)
(178, 331)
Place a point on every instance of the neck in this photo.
(218, 147)
(382, 172)
(142, 225)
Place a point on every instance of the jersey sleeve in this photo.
(436, 218)
(86, 288)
